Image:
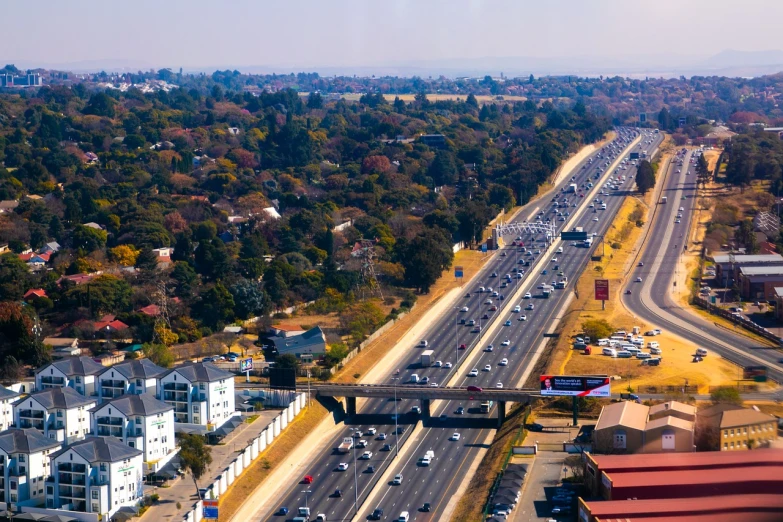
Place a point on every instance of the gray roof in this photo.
(72, 366)
(748, 258)
(100, 449)
(138, 369)
(201, 372)
(136, 405)
(16, 440)
(63, 398)
(761, 270)
(5, 393)
(313, 340)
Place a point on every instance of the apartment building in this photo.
(24, 466)
(140, 421)
(728, 427)
(7, 399)
(201, 394)
(95, 475)
(74, 372)
(129, 377)
(61, 414)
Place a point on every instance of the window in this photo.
(619, 439)
(667, 440)
(131, 444)
(725, 433)
(13, 497)
(103, 466)
(732, 433)
(138, 420)
(95, 507)
(732, 445)
(50, 490)
(95, 495)
(201, 386)
(78, 379)
(22, 458)
(13, 484)
(745, 431)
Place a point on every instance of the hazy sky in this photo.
(313, 33)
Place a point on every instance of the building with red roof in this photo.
(35, 292)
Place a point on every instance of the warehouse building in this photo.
(727, 269)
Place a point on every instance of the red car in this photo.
(308, 479)
(493, 308)
(475, 388)
(462, 346)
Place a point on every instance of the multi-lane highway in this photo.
(651, 299)
(444, 338)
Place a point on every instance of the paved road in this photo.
(444, 338)
(651, 299)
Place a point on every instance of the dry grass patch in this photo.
(270, 458)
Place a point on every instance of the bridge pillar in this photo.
(425, 408)
(350, 406)
(501, 412)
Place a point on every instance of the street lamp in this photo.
(306, 492)
(355, 479)
(396, 429)
(456, 334)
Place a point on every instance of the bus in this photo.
(486, 406)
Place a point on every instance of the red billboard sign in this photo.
(602, 289)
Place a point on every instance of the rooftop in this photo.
(59, 398)
(5, 393)
(72, 366)
(761, 270)
(138, 369)
(674, 422)
(625, 413)
(673, 406)
(694, 461)
(136, 405)
(743, 417)
(679, 507)
(16, 440)
(685, 478)
(748, 258)
(201, 372)
(100, 449)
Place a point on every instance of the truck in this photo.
(571, 188)
(664, 199)
(346, 445)
(588, 242)
(578, 229)
(629, 396)
(486, 406)
(546, 291)
(561, 284)
(426, 358)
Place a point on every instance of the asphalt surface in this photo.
(437, 482)
(651, 299)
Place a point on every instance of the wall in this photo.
(252, 451)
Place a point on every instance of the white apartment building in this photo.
(75, 372)
(61, 414)
(24, 466)
(7, 399)
(134, 377)
(140, 421)
(201, 394)
(95, 475)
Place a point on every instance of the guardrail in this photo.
(425, 392)
(737, 320)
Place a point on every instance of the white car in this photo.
(523, 317)
(506, 342)
(342, 466)
(464, 309)
(473, 373)
(372, 431)
(638, 279)
(531, 306)
(367, 455)
(361, 443)
(437, 364)
(503, 362)
(528, 295)
(595, 219)
(517, 309)
(554, 260)
(499, 385)
(488, 368)
(454, 436)
(397, 479)
(447, 365)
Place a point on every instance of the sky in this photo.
(315, 34)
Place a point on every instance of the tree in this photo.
(250, 298)
(88, 238)
(425, 257)
(194, 456)
(726, 395)
(216, 307)
(645, 177)
(160, 354)
(471, 101)
(746, 235)
(443, 169)
(100, 104)
(124, 254)
(597, 329)
(665, 120)
(287, 361)
(702, 170)
(14, 277)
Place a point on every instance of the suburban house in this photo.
(130, 377)
(109, 324)
(286, 330)
(7, 399)
(59, 413)
(24, 466)
(95, 475)
(305, 346)
(140, 421)
(202, 394)
(34, 293)
(63, 346)
(75, 372)
(628, 427)
(732, 427)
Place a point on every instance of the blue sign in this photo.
(210, 508)
(484, 247)
(457, 271)
(245, 365)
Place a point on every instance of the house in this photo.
(236, 330)
(727, 266)
(8, 205)
(140, 421)
(59, 413)
(433, 140)
(151, 310)
(79, 279)
(63, 346)
(729, 427)
(307, 345)
(96, 475)
(286, 330)
(134, 377)
(94, 225)
(34, 293)
(90, 157)
(234, 131)
(75, 372)
(52, 246)
(109, 324)
(7, 399)
(24, 466)
(202, 394)
(629, 427)
(35, 261)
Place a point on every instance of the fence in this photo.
(742, 388)
(668, 389)
(251, 452)
(737, 320)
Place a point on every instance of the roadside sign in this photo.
(573, 236)
(755, 373)
(576, 385)
(484, 247)
(210, 508)
(682, 122)
(601, 289)
(642, 117)
(457, 271)
(245, 365)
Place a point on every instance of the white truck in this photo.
(346, 445)
(588, 242)
(571, 188)
(426, 358)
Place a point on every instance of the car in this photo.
(523, 317)
(342, 466)
(462, 346)
(386, 447)
(424, 380)
(488, 302)
(528, 295)
(493, 308)
(682, 209)
(641, 263)
(455, 436)
(361, 444)
(464, 309)
(282, 511)
(487, 367)
(494, 274)
(545, 272)
(371, 431)
(628, 292)
(489, 348)
(638, 279)
(416, 410)
(467, 295)
(377, 514)
(507, 323)
(485, 316)
(595, 219)
(397, 479)
(517, 309)
(437, 364)
(535, 427)
(433, 385)
(367, 455)
(677, 221)
(506, 342)
(308, 479)
(381, 436)
(503, 362)
(531, 306)
(338, 493)
(459, 411)
(447, 365)
(426, 507)
(475, 388)
(498, 385)
(473, 373)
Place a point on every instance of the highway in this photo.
(444, 338)
(651, 299)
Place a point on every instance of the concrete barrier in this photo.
(525, 450)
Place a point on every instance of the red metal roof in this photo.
(713, 517)
(685, 506)
(688, 461)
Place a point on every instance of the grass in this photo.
(471, 505)
(270, 458)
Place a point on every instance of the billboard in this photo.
(576, 385)
(642, 117)
(282, 378)
(601, 289)
(245, 365)
(755, 373)
(210, 508)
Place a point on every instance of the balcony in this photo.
(70, 467)
(110, 421)
(109, 431)
(177, 386)
(27, 423)
(52, 381)
(71, 479)
(31, 414)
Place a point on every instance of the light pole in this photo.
(456, 333)
(308, 387)
(306, 492)
(355, 480)
(396, 429)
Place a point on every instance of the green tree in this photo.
(665, 120)
(425, 257)
(160, 354)
(645, 177)
(194, 456)
(726, 395)
(250, 298)
(216, 307)
(443, 169)
(471, 101)
(14, 277)
(103, 295)
(597, 329)
(88, 238)
(287, 361)
(746, 235)
(100, 104)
